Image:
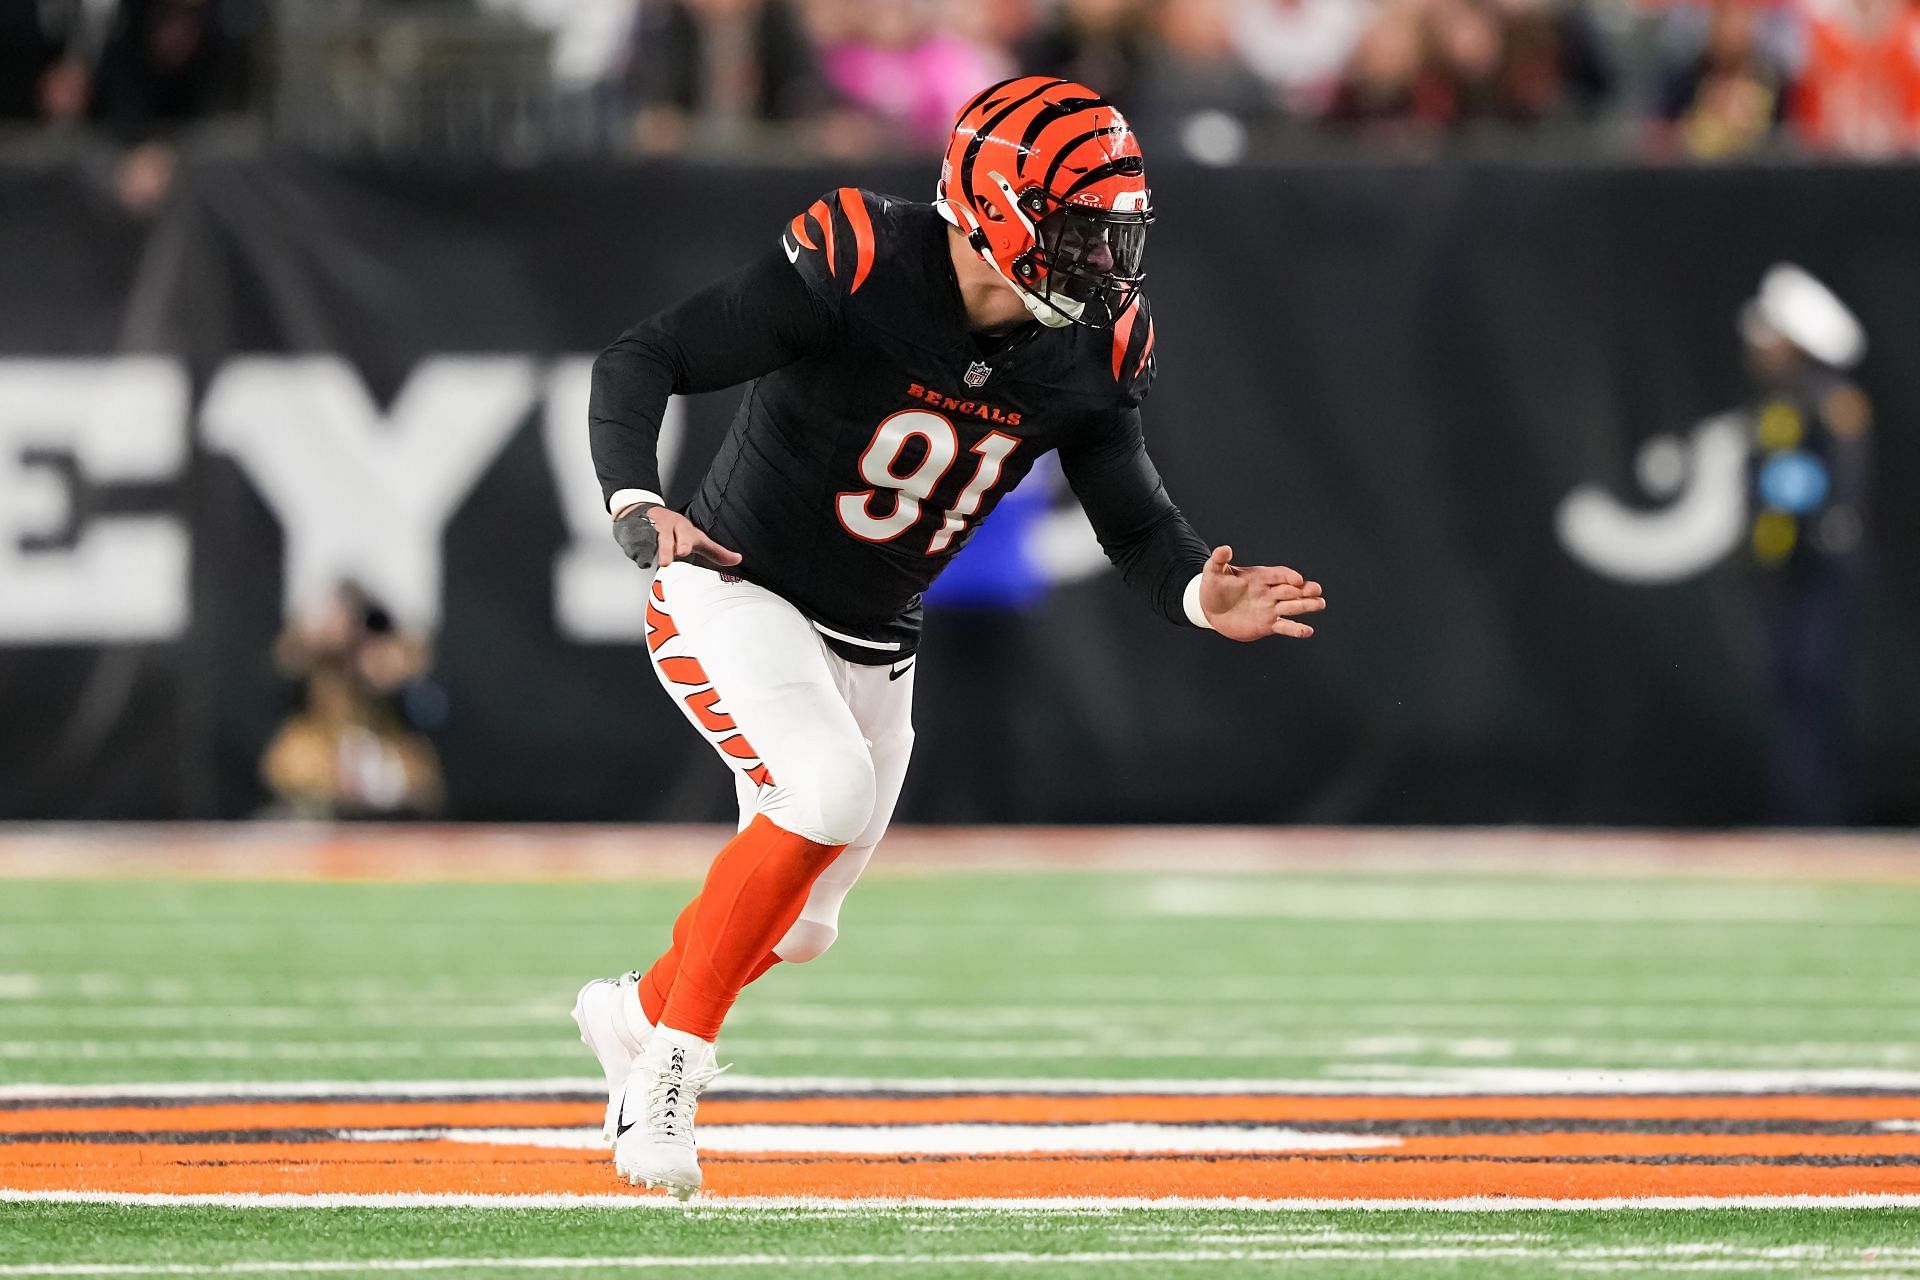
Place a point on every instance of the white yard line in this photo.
(1123, 1042)
(1318, 1018)
(1383, 1078)
(139, 1016)
(1387, 1081)
(1663, 1257)
(1032, 1205)
(1859, 1263)
(1534, 902)
(1299, 1235)
(1320, 1023)
(273, 1050)
(1635, 1054)
(396, 1089)
(843, 989)
(928, 1139)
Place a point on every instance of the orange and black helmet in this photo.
(1046, 179)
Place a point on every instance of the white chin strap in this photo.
(1055, 314)
(1051, 312)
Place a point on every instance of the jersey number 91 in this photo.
(869, 515)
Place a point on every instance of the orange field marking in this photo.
(1300, 1176)
(299, 1115)
(1684, 1149)
(440, 1167)
(1499, 1145)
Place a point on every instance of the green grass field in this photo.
(1478, 983)
(967, 1243)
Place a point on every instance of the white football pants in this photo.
(818, 745)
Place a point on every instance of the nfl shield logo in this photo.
(977, 373)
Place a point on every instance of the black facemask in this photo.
(1093, 261)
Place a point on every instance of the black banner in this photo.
(1392, 379)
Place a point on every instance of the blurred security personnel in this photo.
(1808, 484)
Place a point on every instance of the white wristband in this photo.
(1190, 601)
(627, 497)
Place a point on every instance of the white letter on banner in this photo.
(360, 495)
(1703, 522)
(599, 596)
(123, 421)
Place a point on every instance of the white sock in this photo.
(630, 1022)
(698, 1051)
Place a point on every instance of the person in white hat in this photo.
(1808, 486)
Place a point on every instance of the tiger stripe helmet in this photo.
(1046, 179)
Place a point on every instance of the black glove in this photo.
(637, 536)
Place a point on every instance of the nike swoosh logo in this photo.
(793, 250)
(900, 670)
(619, 1121)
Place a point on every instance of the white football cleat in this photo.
(607, 1011)
(655, 1145)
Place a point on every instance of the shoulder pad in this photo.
(832, 241)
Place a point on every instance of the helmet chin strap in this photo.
(1053, 314)
(1044, 309)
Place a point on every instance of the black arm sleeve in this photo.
(1142, 532)
(758, 319)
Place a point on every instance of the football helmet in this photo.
(1047, 181)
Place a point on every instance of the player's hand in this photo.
(655, 536)
(1257, 601)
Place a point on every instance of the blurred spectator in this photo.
(1556, 63)
(354, 749)
(1466, 42)
(140, 68)
(1006, 29)
(1102, 43)
(1860, 94)
(716, 69)
(1726, 87)
(1300, 47)
(41, 79)
(848, 78)
(909, 64)
(1426, 66)
(167, 62)
(590, 37)
(1194, 87)
(1385, 82)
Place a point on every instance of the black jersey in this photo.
(879, 430)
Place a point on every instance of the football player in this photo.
(908, 363)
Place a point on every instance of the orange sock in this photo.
(657, 982)
(754, 892)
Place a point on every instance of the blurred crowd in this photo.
(1698, 78)
(131, 67)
